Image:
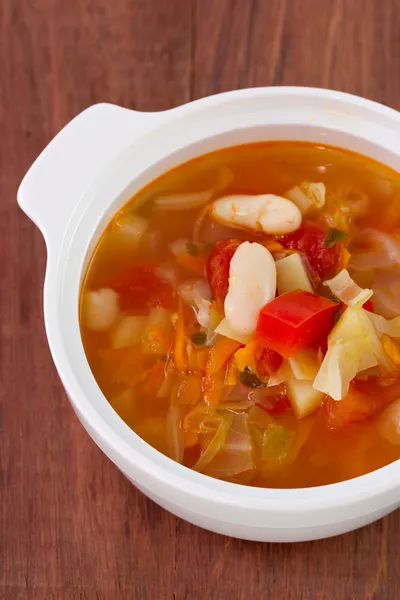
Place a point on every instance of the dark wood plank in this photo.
(71, 526)
(350, 46)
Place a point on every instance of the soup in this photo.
(240, 314)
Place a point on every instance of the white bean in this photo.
(100, 309)
(131, 228)
(128, 331)
(252, 283)
(265, 213)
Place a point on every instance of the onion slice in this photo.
(344, 288)
(183, 201)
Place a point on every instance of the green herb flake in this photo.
(334, 236)
(337, 313)
(192, 249)
(250, 379)
(199, 338)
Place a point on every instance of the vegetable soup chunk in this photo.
(241, 314)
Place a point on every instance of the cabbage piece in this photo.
(291, 274)
(200, 420)
(390, 327)
(268, 397)
(353, 346)
(226, 330)
(236, 398)
(304, 364)
(307, 196)
(392, 349)
(276, 443)
(236, 455)
(303, 397)
(344, 288)
(259, 420)
(216, 444)
(364, 327)
(237, 404)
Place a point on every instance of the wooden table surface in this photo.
(71, 526)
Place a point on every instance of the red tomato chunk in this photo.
(310, 239)
(294, 321)
(140, 288)
(363, 400)
(218, 267)
(267, 361)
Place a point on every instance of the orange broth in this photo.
(360, 194)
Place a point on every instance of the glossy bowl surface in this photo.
(92, 167)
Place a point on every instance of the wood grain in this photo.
(71, 526)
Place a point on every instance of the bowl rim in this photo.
(124, 444)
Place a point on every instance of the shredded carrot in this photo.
(190, 438)
(273, 246)
(159, 340)
(343, 259)
(201, 359)
(180, 352)
(214, 379)
(245, 357)
(197, 359)
(213, 387)
(189, 390)
(231, 376)
(192, 263)
(219, 354)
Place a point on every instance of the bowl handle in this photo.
(56, 181)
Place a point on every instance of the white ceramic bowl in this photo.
(92, 167)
